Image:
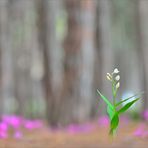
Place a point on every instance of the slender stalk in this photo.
(114, 92)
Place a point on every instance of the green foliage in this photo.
(114, 123)
(105, 100)
(120, 103)
(112, 110)
(127, 106)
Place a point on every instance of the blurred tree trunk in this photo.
(56, 55)
(79, 61)
(98, 60)
(143, 13)
(140, 59)
(50, 46)
(72, 46)
(1, 106)
(106, 51)
(87, 60)
(19, 17)
(6, 59)
(3, 27)
(126, 46)
(43, 26)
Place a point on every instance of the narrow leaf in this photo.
(105, 100)
(119, 103)
(127, 106)
(114, 123)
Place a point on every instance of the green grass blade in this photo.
(105, 100)
(127, 106)
(119, 103)
(114, 123)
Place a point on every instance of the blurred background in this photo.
(54, 55)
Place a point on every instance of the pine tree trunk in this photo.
(87, 60)
(105, 44)
(143, 13)
(50, 46)
(72, 46)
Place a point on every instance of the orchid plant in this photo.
(115, 109)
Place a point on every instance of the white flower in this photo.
(117, 85)
(117, 78)
(116, 71)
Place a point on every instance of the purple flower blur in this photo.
(29, 124)
(18, 135)
(16, 122)
(79, 128)
(3, 126)
(103, 121)
(3, 134)
(141, 131)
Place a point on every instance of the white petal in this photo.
(116, 70)
(109, 74)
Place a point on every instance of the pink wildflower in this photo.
(103, 121)
(18, 135)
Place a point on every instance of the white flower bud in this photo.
(116, 71)
(117, 78)
(108, 74)
(117, 85)
(108, 78)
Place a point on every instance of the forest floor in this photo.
(91, 135)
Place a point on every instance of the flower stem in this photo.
(114, 94)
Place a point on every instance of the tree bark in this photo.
(49, 46)
(143, 12)
(105, 44)
(87, 56)
(21, 52)
(72, 46)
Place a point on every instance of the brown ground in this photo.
(97, 138)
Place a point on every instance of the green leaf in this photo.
(119, 103)
(110, 112)
(127, 106)
(105, 100)
(114, 123)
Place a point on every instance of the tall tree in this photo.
(52, 51)
(3, 26)
(125, 45)
(87, 59)
(105, 43)
(43, 29)
(6, 59)
(72, 46)
(21, 52)
(143, 12)
(79, 61)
